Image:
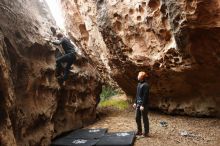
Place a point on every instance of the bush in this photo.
(107, 101)
(117, 103)
(107, 92)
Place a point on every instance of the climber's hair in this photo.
(59, 35)
(143, 74)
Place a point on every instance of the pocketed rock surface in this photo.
(176, 42)
(34, 108)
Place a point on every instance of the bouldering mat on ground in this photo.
(74, 142)
(87, 134)
(95, 137)
(80, 137)
(117, 139)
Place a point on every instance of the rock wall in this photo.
(33, 107)
(177, 42)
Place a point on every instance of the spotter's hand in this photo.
(141, 108)
(134, 105)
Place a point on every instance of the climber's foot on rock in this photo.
(58, 72)
(60, 80)
(57, 75)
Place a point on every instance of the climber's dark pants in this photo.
(67, 58)
(144, 115)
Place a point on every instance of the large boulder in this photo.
(176, 42)
(34, 108)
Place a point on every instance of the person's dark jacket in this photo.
(68, 47)
(142, 96)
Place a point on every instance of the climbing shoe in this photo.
(60, 80)
(58, 72)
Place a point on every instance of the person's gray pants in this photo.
(144, 115)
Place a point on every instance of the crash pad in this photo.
(74, 142)
(117, 139)
(87, 133)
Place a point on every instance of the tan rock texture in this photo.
(33, 107)
(177, 42)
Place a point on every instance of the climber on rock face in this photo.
(69, 56)
(141, 104)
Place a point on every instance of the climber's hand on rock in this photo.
(48, 40)
(141, 108)
(134, 105)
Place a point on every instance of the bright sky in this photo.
(55, 9)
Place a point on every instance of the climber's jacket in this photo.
(142, 94)
(66, 44)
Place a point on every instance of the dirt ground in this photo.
(203, 131)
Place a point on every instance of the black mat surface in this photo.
(74, 142)
(87, 134)
(117, 139)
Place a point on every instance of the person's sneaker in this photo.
(146, 134)
(138, 133)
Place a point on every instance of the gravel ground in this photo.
(198, 131)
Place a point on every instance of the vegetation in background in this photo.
(108, 92)
(107, 101)
(116, 103)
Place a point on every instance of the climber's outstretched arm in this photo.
(56, 42)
